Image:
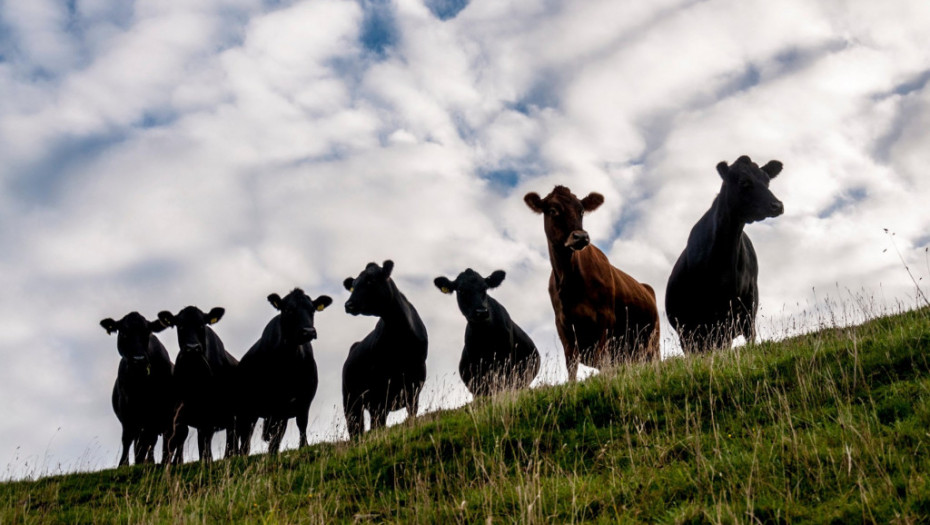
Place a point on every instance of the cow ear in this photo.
(157, 326)
(592, 202)
(322, 302)
(444, 284)
(723, 170)
(772, 169)
(534, 201)
(275, 301)
(347, 283)
(109, 325)
(495, 279)
(215, 315)
(166, 317)
(387, 268)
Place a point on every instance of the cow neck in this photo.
(396, 312)
(561, 259)
(284, 346)
(728, 233)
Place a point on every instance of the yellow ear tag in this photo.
(445, 290)
(214, 320)
(320, 308)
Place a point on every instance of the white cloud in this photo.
(212, 155)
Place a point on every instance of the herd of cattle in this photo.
(602, 315)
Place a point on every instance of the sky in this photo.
(156, 154)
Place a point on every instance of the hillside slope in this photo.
(832, 426)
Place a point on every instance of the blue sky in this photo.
(155, 154)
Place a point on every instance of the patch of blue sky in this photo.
(630, 214)
(446, 9)
(379, 27)
(157, 270)
(848, 198)
(42, 183)
(744, 81)
(918, 83)
(905, 113)
(501, 179)
(543, 94)
(504, 177)
(914, 84)
(155, 119)
(795, 58)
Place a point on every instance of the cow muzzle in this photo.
(308, 334)
(578, 240)
(351, 308)
(777, 208)
(480, 314)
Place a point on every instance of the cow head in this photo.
(563, 213)
(297, 311)
(471, 292)
(133, 333)
(745, 190)
(370, 291)
(191, 324)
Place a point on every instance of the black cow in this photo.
(713, 294)
(142, 396)
(385, 371)
(498, 355)
(203, 377)
(278, 375)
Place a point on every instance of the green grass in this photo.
(829, 427)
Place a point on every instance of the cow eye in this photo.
(553, 212)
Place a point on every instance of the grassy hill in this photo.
(830, 427)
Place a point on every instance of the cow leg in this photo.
(275, 429)
(232, 442)
(165, 449)
(245, 426)
(205, 444)
(355, 415)
(378, 416)
(145, 446)
(570, 347)
(303, 417)
(127, 442)
(176, 443)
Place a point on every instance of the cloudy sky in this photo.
(155, 154)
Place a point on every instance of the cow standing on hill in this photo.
(602, 314)
(203, 378)
(386, 370)
(713, 293)
(142, 395)
(498, 355)
(278, 375)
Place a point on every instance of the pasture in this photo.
(827, 427)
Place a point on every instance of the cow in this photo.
(713, 295)
(498, 354)
(143, 399)
(602, 314)
(278, 375)
(386, 370)
(204, 373)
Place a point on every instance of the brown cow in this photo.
(602, 314)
